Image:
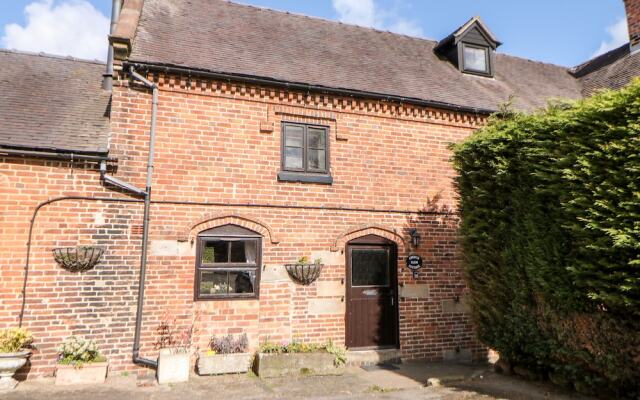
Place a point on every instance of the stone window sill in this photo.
(287, 176)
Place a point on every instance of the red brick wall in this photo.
(632, 8)
(391, 160)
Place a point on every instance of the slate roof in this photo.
(52, 103)
(220, 36)
(611, 70)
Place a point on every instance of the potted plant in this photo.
(14, 351)
(303, 271)
(226, 355)
(174, 358)
(80, 362)
(298, 358)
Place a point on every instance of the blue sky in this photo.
(565, 32)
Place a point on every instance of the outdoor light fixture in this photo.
(415, 237)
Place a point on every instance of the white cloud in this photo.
(367, 13)
(618, 35)
(70, 28)
(360, 12)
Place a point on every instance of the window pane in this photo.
(212, 282)
(315, 138)
(369, 267)
(293, 157)
(475, 59)
(242, 282)
(215, 252)
(293, 135)
(244, 251)
(316, 159)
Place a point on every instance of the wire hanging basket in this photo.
(304, 274)
(78, 259)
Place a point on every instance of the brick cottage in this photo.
(275, 136)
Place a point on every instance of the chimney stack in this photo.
(632, 8)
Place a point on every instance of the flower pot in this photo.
(85, 374)
(270, 365)
(216, 364)
(9, 364)
(173, 366)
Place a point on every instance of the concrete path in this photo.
(408, 382)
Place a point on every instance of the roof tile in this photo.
(52, 103)
(221, 36)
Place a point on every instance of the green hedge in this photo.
(550, 207)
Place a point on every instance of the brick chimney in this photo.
(633, 20)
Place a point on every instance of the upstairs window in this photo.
(305, 153)
(475, 59)
(227, 266)
(471, 48)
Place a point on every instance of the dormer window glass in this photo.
(475, 59)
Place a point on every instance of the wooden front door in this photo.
(372, 310)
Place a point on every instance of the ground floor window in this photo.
(227, 263)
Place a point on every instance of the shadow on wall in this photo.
(433, 302)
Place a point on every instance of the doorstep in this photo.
(373, 357)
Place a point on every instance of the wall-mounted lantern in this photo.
(415, 237)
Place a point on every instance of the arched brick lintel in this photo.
(246, 221)
(368, 229)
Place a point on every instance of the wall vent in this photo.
(136, 230)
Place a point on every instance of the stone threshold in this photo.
(372, 357)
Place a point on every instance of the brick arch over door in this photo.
(369, 229)
(246, 221)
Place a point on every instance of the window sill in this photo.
(227, 297)
(287, 176)
(486, 74)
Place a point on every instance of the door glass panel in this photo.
(369, 267)
(213, 282)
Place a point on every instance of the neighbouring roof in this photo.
(51, 103)
(220, 36)
(611, 70)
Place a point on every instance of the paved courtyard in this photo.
(408, 382)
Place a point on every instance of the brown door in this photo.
(372, 317)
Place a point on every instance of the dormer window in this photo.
(471, 48)
(475, 58)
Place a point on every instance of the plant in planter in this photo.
(14, 351)
(300, 358)
(80, 362)
(303, 271)
(226, 355)
(174, 358)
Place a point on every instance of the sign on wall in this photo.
(414, 263)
